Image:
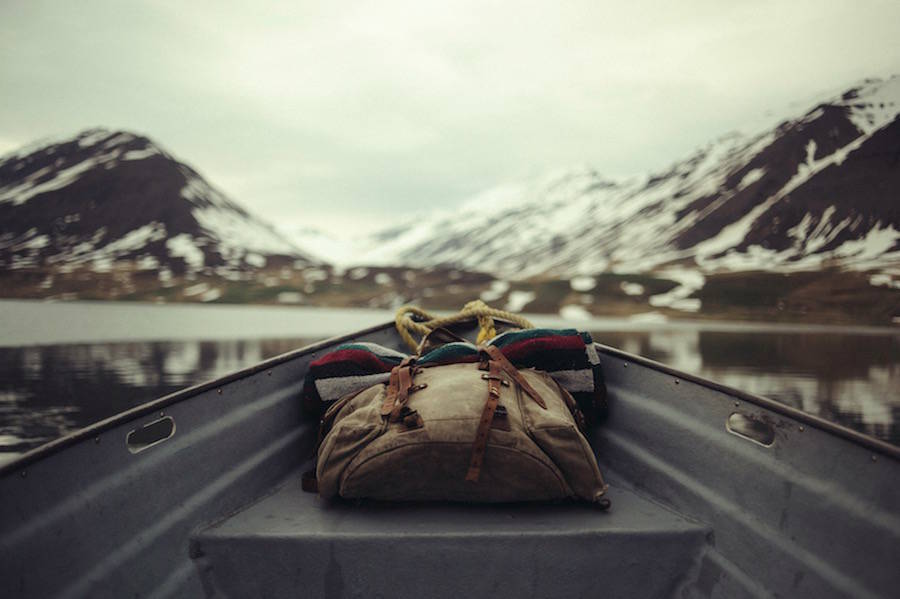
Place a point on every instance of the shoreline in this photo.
(41, 322)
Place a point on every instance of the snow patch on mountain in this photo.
(134, 240)
(497, 290)
(574, 312)
(35, 243)
(885, 280)
(873, 104)
(49, 180)
(518, 300)
(680, 298)
(140, 154)
(183, 246)
(632, 289)
(254, 259)
(92, 137)
(730, 236)
(751, 177)
(878, 242)
(211, 295)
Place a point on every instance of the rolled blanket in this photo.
(565, 354)
(568, 356)
(350, 367)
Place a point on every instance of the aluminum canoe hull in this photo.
(215, 510)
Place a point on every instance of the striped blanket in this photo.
(565, 354)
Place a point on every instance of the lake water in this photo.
(64, 366)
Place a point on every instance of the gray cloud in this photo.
(346, 115)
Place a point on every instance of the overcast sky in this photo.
(344, 115)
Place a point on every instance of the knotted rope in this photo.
(411, 319)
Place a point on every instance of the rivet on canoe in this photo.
(161, 414)
(737, 404)
(874, 458)
(97, 439)
(219, 391)
(269, 373)
(677, 381)
(23, 473)
(625, 365)
(802, 428)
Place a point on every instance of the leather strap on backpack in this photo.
(497, 365)
(397, 393)
(479, 448)
(507, 366)
(404, 384)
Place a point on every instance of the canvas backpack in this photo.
(471, 431)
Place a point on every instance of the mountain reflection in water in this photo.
(51, 390)
(851, 379)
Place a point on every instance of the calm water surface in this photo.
(49, 389)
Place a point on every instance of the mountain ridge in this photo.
(105, 197)
(818, 189)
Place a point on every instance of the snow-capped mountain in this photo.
(105, 200)
(820, 189)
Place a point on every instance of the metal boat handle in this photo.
(749, 428)
(150, 434)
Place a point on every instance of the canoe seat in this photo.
(292, 544)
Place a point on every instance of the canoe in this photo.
(715, 493)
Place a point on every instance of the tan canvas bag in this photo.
(474, 432)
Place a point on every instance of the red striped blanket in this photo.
(567, 355)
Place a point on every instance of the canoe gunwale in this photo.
(95, 429)
(857, 437)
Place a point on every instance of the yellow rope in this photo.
(474, 310)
